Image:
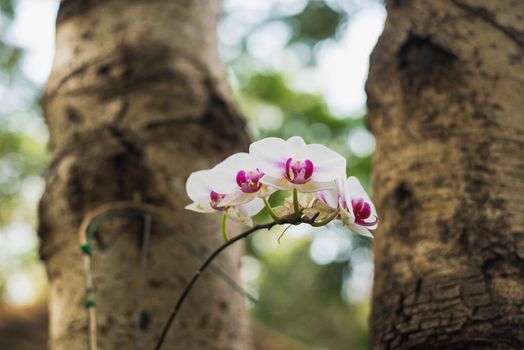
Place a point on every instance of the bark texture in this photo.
(135, 102)
(446, 102)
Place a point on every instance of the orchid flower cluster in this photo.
(239, 186)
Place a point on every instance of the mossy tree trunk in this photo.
(136, 101)
(446, 103)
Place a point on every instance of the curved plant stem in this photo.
(197, 274)
(98, 216)
(224, 227)
(326, 220)
(274, 216)
(296, 206)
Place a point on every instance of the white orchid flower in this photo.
(238, 178)
(361, 216)
(207, 200)
(292, 164)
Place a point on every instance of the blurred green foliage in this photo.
(298, 296)
(317, 21)
(22, 158)
(303, 300)
(7, 8)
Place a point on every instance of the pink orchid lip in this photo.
(362, 211)
(216, 198)
(366, 223)
(249, 181)
(297, 171)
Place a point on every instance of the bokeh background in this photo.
(296, 67)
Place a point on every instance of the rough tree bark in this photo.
(446, 102)
(135, 102)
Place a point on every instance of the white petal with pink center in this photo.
(293, 164)
(238, 177)
(206, 199)
(356, 209)
(363, 208)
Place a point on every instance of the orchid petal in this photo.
(344, 197)
(221, 181)
(346, 217)
(296, 145)
(315, 186)
(236, 198)
(331, 198)
(357, 191)
(243, 213)
(373, 227)
(239, 215)
(223, 177)
(349, 222)
(329, 165)
(266, 191)
(271, 154)
(236, 162)
(277, 182)
(360, 230)
(197, 186)
(200, 208)
(306, 200)
(253, 207)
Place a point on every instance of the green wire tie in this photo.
(86, 248)
(89, 304)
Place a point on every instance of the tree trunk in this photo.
(136, 101)
(446, 102)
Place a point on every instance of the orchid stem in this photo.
(197, 274)
(224, 227)
(296, 205)
(326, 220)
(273, 215)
